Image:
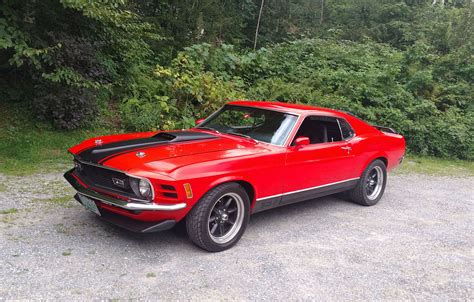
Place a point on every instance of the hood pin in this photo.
(140, 154)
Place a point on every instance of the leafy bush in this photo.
(376, 82)
(59, 55)
(405, 63)
(175, 96)
(67, 108)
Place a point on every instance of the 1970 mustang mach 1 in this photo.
(245, 158)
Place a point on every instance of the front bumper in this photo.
(133, 216)
(133, 225)
(127, 205)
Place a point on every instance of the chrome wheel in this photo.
(374, 183)
(226, 217)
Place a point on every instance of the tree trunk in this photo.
(258, 26)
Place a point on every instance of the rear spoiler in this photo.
(385, 129)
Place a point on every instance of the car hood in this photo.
(162, 152)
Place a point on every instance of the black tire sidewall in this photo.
(198, 217)
(364, 179)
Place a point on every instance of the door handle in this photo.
(347, 148)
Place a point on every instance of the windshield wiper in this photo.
(242, 135)
(207, 128)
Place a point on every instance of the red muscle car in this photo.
(245, 158)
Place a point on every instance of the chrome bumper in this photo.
(132, 206)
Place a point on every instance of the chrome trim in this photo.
(307, 189)
(124, 204)
(340, 129)
(138, 206)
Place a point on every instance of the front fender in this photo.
(202, 186)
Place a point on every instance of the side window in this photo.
(346, 129)
(320, 129)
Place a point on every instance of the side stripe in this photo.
(307, 189)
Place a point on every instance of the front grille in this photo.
(104, 179)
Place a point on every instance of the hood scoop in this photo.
(99, 154)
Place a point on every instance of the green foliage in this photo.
(66, 53)
(185, 91)
(162, 64)
(383, 85)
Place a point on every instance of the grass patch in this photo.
(151, 275)
(3, 188)
(25, 152)
(67, 253)
(27, 148)
(9, 211)
(435, 166)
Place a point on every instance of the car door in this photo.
(321, 166)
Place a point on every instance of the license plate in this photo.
(89, 204)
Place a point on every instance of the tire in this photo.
(213, 226)
(368, 193)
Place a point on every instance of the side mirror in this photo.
(199, 121)
(302, 141)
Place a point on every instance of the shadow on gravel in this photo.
(178, 237)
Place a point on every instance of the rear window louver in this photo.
(385, 129)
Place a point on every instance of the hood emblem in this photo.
(140, 154)
(98, 142)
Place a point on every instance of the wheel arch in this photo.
(380, 156)
(248, 187)
(384, 159)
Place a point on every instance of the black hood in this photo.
(99, 154)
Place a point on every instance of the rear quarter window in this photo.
(346, 129)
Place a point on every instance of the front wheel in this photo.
(220, 218)
(371, 185)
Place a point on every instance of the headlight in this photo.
(141, 187)
(144, 188)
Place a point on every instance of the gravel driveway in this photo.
(417, 243)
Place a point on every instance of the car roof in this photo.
(287, 107)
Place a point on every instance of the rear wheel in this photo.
(220, 218)
(371, 185)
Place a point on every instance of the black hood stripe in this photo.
(99, 154)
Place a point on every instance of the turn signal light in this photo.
(187, 189)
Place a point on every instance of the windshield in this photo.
(259, 124)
